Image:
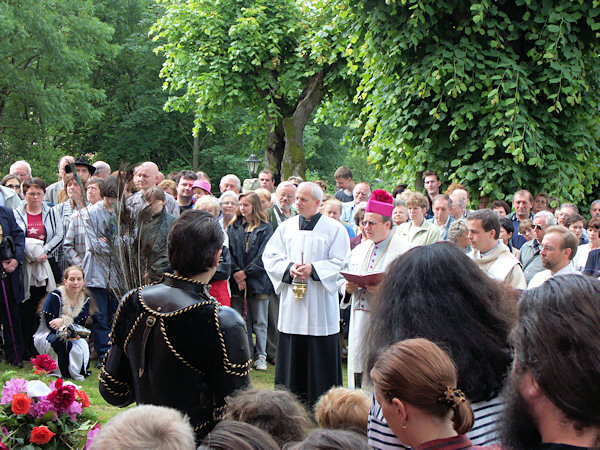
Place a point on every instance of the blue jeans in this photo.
(102, 320)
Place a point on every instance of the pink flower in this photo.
(91, 435)
(12, 387)
(41, 407)
(63, 395)
(43, 363)
(73, 410)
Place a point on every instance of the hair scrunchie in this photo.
(452, 397)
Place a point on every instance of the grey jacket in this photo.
(51, 194)
(99, 261)
(11, 199)
(52, 225)
(530, 259)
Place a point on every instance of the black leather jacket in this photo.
(250, 261)
(174, 345)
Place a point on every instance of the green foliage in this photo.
(48, 50)
(131, 124)
(499, 95)
(249, 54)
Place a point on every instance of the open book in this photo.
(363, 280)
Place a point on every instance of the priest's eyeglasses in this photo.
(367, 223)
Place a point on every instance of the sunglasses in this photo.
(12, 186)
(537, 227)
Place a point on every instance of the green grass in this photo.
(104, 411)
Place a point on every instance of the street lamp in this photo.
(253, 164)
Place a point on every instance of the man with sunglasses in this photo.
(372, 255)
(529, 256)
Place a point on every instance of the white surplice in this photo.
(325, 247)
(366, 257)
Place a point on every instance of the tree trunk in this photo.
(294, 159)
(274, 150)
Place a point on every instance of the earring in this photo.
(404, 426)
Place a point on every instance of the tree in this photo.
(48, 51)
(251, 54)
(500, 95)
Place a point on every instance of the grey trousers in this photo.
(256, 320)
(272, 326)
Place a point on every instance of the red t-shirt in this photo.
(35, 227)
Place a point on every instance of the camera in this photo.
(74, 331)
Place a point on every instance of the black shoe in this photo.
(100, 362)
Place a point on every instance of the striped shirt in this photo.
(484, 432)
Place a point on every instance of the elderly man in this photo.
(373, 255)
(20, 169)
(278, 213)
(230, 182)
(345, 184)
(460, 201)
(307, 251)
(185, 194)
(442, 205)
(566, 211)
(522, 204)
(558, 249)
(52, 190)
(102, 169)
(282, 209)
(362, 193)
(145, 176)
(552, 394)
(491, 255)
(529, 256)
(595, 208)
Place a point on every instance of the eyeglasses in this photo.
(12, 186)
(367, 223)
(593, 227)
(36, 194)
(537, 227)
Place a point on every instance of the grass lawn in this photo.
(104, 411)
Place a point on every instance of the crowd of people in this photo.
(431, 303)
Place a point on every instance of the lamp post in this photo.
(253, 164)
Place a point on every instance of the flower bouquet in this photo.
(36, 415)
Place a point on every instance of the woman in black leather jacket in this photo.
(248, 234)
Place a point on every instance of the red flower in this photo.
(41, 435)
(83, 398)
(43, 364)
(63, 395)
(20, 404)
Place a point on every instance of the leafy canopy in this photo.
(253, 54)
(48, 51)
(499, 94)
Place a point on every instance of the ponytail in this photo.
(463, 418)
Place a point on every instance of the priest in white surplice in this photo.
(308, 247)
(373, 255)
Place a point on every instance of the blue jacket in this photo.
(10, 228)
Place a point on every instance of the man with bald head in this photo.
(146, 176)
(362, 193)
(51, 194)
(102, 169)
(230, 182)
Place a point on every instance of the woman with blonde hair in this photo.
(66, 306)
(416, 384)
(248, 234)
